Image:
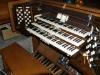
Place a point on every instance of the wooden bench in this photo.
(17, 61)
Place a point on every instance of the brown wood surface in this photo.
(20, 62)
(78, 62)
(35, 41)
(48, 52)
(74, 7)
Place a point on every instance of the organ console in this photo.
(59, 34)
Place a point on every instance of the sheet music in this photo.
(63, 18)
(59, 15)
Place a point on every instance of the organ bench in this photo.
(17, 61)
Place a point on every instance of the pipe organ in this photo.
(60, 35)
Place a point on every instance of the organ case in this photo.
(50, 54)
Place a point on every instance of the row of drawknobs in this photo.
(92, 48)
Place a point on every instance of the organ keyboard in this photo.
(65, 26)
(60, 50)
(50, 31)
(53, 40)
(59, 33)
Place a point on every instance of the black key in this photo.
(71, 37)
(66, 25)
(46, 25)
(41, 58)
(51, 28)
(64, 45)
(60, 23)
(56, 69)
(48, 63)
(71, 27)
(42, 33)
(44, 17)
(55, 30)
(38, 31)
(69, 47)
(45, 62)
(80, 31)
(39, 22)
(76, 29)
(39, 55)
(83, 31)
(34, 29)
(51, 19)
(77, 40)
(56, 21)
(65, 35)
(59, 42)
(50, 66)
(36, 54)
(54, 40)
(43, 24)
(30, 26)
(73, 48)
(45, 35)
(50, 37)
(47, 18)
(53, 68)
(60, 32)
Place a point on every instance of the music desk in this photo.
(17, 61)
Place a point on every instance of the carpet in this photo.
(25, 42)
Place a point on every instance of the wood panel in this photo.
(49, 52)
(78, 62)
